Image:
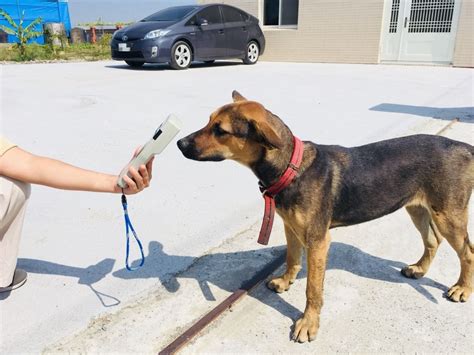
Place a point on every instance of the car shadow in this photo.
(165, 66)
(464, 114)
(229, 271)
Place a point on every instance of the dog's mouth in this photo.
(212, 158)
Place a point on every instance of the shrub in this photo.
(24, 34)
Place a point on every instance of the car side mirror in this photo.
(202, 22)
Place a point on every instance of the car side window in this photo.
(192, 21)
(211, 14)
(231, 14)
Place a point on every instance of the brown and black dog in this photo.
(431, 176)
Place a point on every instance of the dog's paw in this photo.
(413, 272)
(279, 284)
(306, 329)
(459, 293)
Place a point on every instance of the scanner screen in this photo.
(157, 134)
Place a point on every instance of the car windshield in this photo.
(170, 14)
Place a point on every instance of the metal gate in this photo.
(420, 30)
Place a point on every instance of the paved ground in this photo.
(80, 298)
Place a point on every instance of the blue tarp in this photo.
(48, 10)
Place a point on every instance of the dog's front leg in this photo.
(306, 327)
(294, 250)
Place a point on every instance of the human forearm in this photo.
(60, 175)
(21, 165)
(54, 173)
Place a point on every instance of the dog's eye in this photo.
(219, 132)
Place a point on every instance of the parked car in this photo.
(182, 34)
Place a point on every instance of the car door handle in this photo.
(244, 28)
(221, 32)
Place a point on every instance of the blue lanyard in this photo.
(128, 228)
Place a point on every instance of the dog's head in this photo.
(240, 131)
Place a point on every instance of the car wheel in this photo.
(252, 54)
(181, 55)
(135, 64)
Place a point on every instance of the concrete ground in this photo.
(200, 239)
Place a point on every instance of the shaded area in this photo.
(229, 271)
(86, 276)
(224, 270)
(351, 259)
(464, 114)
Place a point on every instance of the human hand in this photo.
(140, 178)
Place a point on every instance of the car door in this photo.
(236, 31)
(209, 35)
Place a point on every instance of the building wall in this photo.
(336, 31)
(464, 47)
(344, 31)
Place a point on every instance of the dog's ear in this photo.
(237, 97)
(267, 134)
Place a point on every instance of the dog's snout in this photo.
(187, 147)
(183, 144)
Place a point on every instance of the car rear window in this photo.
(170, 14)
(245, 16)
(231, 14)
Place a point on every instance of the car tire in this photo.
(181, 56)
(135, 64)
(252, 53)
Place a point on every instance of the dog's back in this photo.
(379, 178)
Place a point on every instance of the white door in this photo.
(420, 30)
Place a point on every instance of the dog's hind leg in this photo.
(421, 217)
(293, 263)
(453, 226)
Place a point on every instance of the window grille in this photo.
(394, 17)
(428, 16)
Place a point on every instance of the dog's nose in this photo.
(183, 144)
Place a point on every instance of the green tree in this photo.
(23, 33)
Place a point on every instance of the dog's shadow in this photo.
(226, 270)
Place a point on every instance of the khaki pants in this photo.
(13, 199)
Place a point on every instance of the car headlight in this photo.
(156, 33)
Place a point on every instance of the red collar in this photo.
(270, 192)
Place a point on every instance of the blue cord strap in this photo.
(128, 228)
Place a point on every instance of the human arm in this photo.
(21, 165)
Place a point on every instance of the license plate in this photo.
(122, 47)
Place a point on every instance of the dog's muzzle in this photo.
(188, 148)
(190, 151)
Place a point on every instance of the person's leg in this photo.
(13, 199)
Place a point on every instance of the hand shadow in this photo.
(86, 276)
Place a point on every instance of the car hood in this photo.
(140, 29)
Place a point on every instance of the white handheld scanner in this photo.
(163, 135)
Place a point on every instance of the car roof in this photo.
(221, 4)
